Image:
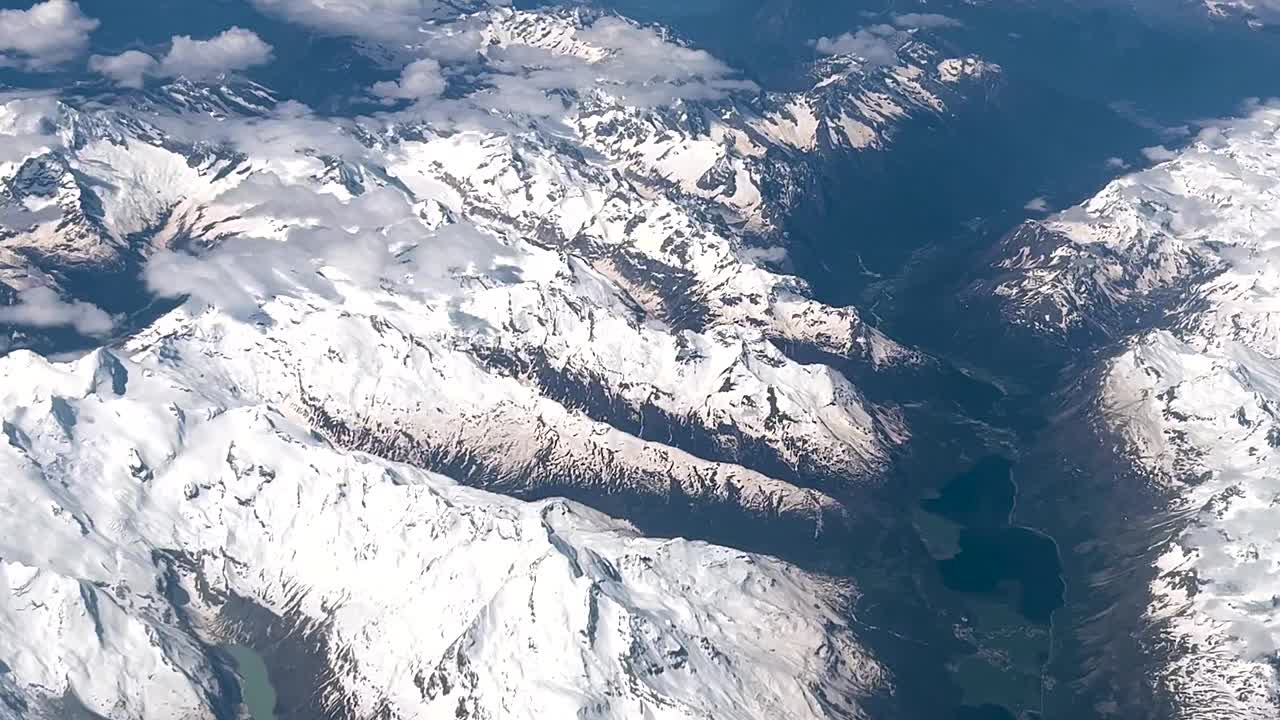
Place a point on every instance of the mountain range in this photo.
(321, 333)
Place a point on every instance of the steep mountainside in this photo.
(1175, 268)
(432, 307)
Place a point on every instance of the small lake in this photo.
(988, 558)
(1011, 580)
(981, 497)
(993, 554)
(256, 690)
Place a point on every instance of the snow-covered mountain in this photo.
(589, 314)
(313, 321)
(752, 154)
(1176, 267)
(163, 513)
(466, 275)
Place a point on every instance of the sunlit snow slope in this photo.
(125, 481)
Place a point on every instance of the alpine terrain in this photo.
(1171, 272)
(547, 257)
(639, 359)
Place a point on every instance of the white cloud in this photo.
(292, 130)
(380, 20)
(1137, 116)
(323, 230)
(420, 80)
(925, 20)
(27, 124)
(293, 240)
(875, 46)
(455, 42)
(634, 64)
(637, 65)
(41, 307)
(1037, 204)
(45, 35)
(652, 70)
(1212, 135)
(1116, 163)
(126, 69)
(231, 50)
(1158, 153)
(372, 239)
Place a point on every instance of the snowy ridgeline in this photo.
(416, 595)
(423, 284)
(577, 288)
(1182, 263)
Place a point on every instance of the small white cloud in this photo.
(420, 80)
(925, 20)
(455, 42)
(1131, 112)
(635, 65)
(1212, 136)
(45, 35)
(1158, 153)
(1037, 204)
(875, 45)
(230, 50)
(1116, 163)
(652, 70)
(126, 69)
(41, 307)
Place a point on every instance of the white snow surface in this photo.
(1257, 13)
(514, 288)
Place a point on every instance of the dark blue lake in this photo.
(992, 553)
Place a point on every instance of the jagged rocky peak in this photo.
(1149, 242)
(1257, 14)
(231, 96)
(859, 105)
